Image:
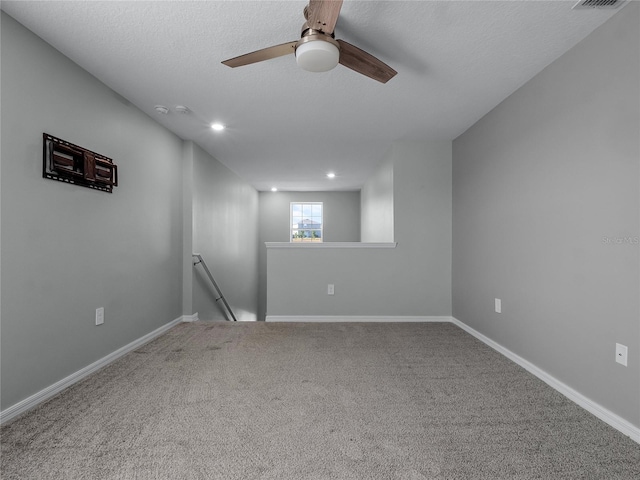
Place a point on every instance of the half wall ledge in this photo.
(331, 245)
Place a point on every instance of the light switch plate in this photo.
(99, 316)
(621, 354)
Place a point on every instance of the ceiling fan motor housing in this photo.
(317, 52)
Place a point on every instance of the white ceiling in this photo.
(286, 127)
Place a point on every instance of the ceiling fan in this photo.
(318, 50)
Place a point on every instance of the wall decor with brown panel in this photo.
(69, 163)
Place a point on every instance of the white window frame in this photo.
(291, 229)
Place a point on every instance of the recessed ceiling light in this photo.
(182, 109)
(331, 175)
(161, 109)
(217, 126)
(274, 189)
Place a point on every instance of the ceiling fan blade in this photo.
(323, 14)
(262, 55)
(366, 64)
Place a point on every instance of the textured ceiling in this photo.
(456, 60)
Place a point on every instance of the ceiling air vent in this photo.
(598, 4)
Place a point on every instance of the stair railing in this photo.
(215, 285)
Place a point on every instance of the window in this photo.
(306, 222)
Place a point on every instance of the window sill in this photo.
(330, 245)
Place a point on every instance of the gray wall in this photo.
(67, 250)
(187, 228)
(341, 211)
(540, 184)
(414, 279)
(376, 205)
(225, 232)
(422, 219)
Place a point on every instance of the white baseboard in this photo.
(352, 318)
(594, 408)
(190, 318)
(589, 405)
(45, 394)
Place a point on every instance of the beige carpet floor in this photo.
(313, 401)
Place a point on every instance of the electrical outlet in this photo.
(498, 305)
(99, 316)
(621, 354)
(330, 289)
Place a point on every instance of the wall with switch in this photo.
(546, 219)
(412, 279)
(341, 217)
(68, 251)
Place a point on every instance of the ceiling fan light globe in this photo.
(317, 56)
